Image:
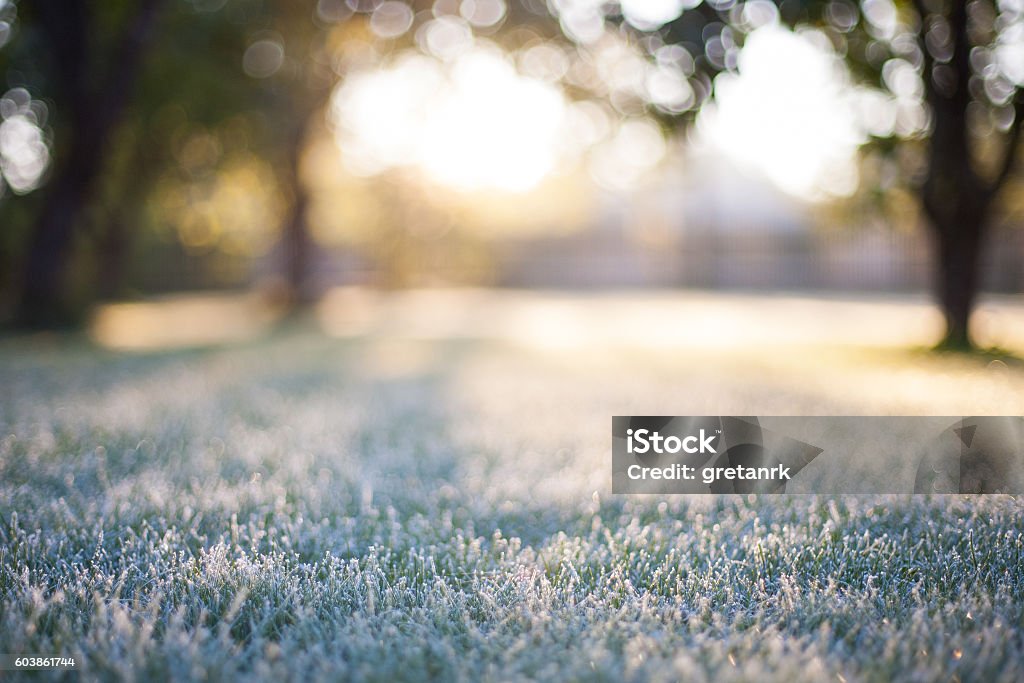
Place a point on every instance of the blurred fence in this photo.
(618, 257)
(846, 260)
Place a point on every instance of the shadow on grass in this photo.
(987, 356)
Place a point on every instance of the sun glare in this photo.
(473, 123)
(788, 115)
(460, 113)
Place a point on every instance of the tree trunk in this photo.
(955, 198)
(958, 256)
(113, 252)
(92, 115)
(42, 302)
(295, 242)
(295, 231)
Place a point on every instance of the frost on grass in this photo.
(306, 509)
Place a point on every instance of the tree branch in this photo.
(126, 60)
(931, 95)
(68, 28)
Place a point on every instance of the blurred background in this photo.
(270, 157)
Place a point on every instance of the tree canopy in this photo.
(107, 103)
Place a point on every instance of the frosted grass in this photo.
(385, 508)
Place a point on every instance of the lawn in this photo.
(418, 488)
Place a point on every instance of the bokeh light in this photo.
(483, 14)
(581, 20)
(635, 148)
(648, 15)
(264, 57)
(234, 207)
(24, 153)
(391, 19)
